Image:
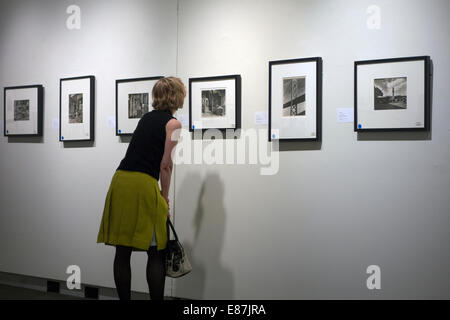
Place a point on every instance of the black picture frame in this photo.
(91, 111)
(319, 84)
(118, 82)
(427, 93)
(40, 110)
(238, 99)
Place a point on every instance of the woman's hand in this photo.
(168, 205)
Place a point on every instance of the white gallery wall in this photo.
(333, 209)
(311, 230)
(52, 196)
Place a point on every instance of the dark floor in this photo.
(14, 293)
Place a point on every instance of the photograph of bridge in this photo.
(294, 97)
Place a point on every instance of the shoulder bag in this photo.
(177, 262)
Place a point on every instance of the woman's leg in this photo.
(156, 272)
(122, 272)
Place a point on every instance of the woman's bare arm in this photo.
(173, 128)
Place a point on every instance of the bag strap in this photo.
(173, 229)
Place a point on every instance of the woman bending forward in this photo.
(136, 210)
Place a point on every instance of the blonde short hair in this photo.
(168, 94)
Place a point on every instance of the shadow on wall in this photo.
(25, 139)
(78, 144)
(300, 145)
(210, 278)
(125, 139)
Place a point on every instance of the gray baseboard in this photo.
(40, 284)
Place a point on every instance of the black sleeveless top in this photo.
(146, 148)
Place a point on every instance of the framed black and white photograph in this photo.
(392, 94)
(215, 103)
(133, 100)
(23, 111)
(295, 99)
(77, 109)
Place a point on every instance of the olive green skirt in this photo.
(134, 210)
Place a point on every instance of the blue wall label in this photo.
(7, 131)
(273, 136)
(359, 126)
(62, 138)
(193, 127)
(120, 131)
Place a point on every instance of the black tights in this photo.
(156, 272)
